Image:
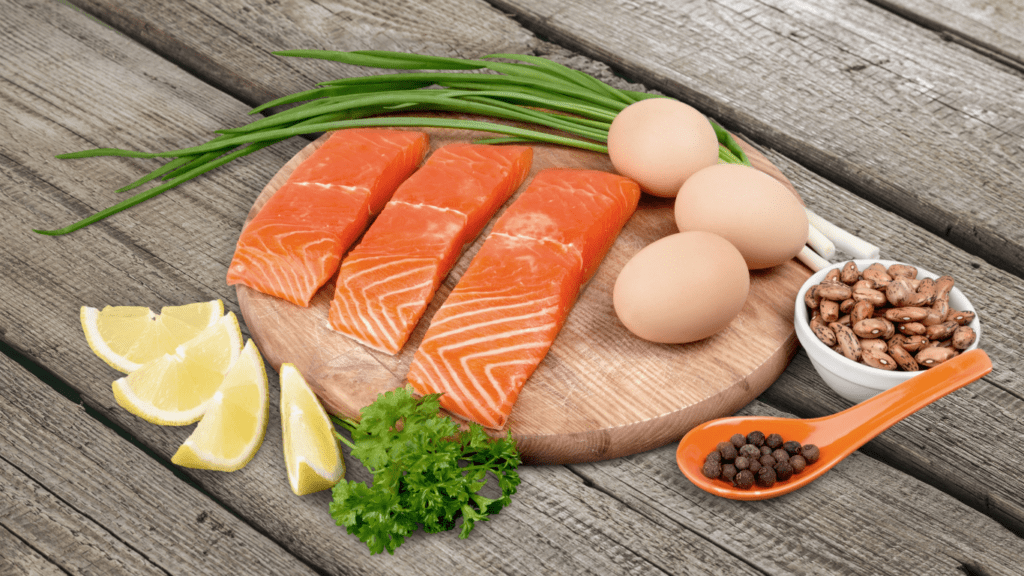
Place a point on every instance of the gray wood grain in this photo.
(20, 559)
(992, 28)
(919, 126)
(839, 513)
(89, 502)
(175, 249)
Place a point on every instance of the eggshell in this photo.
(659, 143)
(681, 288)
(747, 207)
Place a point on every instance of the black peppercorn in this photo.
(728, 472)
(741, 463)
(798, 463)
(773, 441)
(792, 446)
(779, 454)
(712, 467)
(783, 470)
(766, 477)
(750, 451)
(754, 466)
(744, 479)
(810, 453)
(727, 450)
(738, 440)
(756, 438)
(765, 450)
(715, 455)
(767, 461)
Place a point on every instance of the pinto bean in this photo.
(811, 297)
(914, 343)
(861, 310)
(849, 273)
(903, 358)
(823, 332)
(847, 305)
(912, 328)
(875, 344)
(941, 331)
(963, 337)
(902, 271)
(870, 328)
(943, 284)
(829, 310)
(933, 356)
(881, 278)
(834, 291)
(898, 292)
(908, 314)
(877, 359)
(848, 342)
(876, 297)
(962, 318)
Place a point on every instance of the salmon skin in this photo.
(295, 242)
(388, 280)
(503, 315)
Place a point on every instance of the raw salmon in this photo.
(387, 281)
(504, 313)
(295, 242)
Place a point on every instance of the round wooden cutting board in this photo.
(601, 392)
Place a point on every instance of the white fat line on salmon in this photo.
(362, 295)
(343, 187)
(454, 380)
(495, 384)
(438, 208)
(450, 333)
(571, 248)
(524, 301)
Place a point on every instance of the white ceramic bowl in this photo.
(852, 380)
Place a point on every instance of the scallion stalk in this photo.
(529, 90)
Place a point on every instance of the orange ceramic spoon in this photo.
(836, 435)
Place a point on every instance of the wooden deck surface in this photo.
(899, 120)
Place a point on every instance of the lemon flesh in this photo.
(174, 389)
(311, 453)
(126, 337)
(235, 422)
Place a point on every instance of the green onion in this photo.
(528, 90)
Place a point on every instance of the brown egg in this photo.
(681, 288)
(747, 207)
(659, 143)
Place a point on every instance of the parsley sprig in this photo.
(426, 472)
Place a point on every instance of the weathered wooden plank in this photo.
(991, 27)
(858, 518)
(88, 501)
(228, 43)
(19, 559)
(1008, 390)
(919, 126)
(554, 517)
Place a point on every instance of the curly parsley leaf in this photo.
(426, 472)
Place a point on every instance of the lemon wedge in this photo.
(235, 422)
(126, 337)
(174, 389)
(311, 452)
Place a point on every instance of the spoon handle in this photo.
(864, 421)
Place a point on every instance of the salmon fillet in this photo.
(295, 242)
(388, 280)
(503, 315)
